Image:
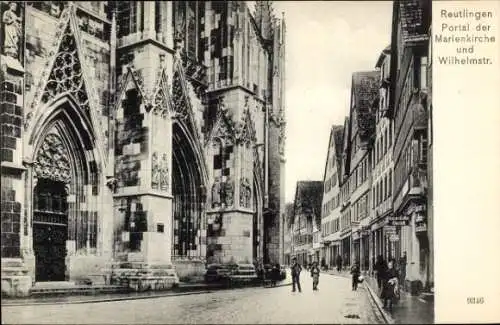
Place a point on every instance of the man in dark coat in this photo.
(296, 269)
(339, 263)
(380, 268)
(355, 271)
(402, 269)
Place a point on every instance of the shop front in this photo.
(346, 251)
(365, 248)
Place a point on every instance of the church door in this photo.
(50, 230)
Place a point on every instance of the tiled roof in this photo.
(308, 198)
(338, 138)
(382, 56)
(365, 86)
(413, 15)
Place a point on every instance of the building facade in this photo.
(330, 214)
(410, 106)
(306, 219)
(364, 91)
(383, 236)
(148, 132)
(287, 234)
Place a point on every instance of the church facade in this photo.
(140, 131)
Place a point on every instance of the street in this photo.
(333, 303)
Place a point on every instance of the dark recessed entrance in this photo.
(50, 230)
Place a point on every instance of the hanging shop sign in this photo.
(420, 218)
(401, 220)
(390, 229)
(394, 238)
(421, 228)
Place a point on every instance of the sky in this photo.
(326, 42)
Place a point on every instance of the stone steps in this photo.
(77, 290)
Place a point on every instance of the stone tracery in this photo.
(66, 75)
(52, 160)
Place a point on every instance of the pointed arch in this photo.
(65, 74)
(73, 126)
(189, 182)
(65, 164)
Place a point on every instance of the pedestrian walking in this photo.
(339, 263)
(275, 273)
(315, 275)
(355, 276)
(402, 269)
(380, 268)
(296, 269)
(390, 286)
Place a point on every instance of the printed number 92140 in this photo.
(475, 300)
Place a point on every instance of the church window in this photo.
(127, 18)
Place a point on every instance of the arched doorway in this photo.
(50, 229)
(65, 186)
(188, 195)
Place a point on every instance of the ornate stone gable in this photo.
(182, 107)
(224, 127)
(131, 76)
(245, 129)
(64, 72)
(162, 104)
(67, 75)
(52, 160)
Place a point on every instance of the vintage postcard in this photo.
(209, 162)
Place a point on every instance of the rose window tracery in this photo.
(66, 74)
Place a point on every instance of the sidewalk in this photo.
(409, 310)
(182, 290)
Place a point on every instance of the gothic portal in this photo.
(140, 132)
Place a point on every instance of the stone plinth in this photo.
(15, 279)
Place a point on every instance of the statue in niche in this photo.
(216, 193)
(155, 171)
(243, 190)
(164, 181)
(248, 193)
(12, 31)
(229, 193)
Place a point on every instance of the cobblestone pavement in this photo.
(333, 303)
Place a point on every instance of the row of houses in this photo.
(375, 198)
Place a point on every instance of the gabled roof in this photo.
(289, 214)
(338, 137)
(365, 85)
(414, 19)
(382, 56)
(308, 199)
(345, 156)
(338, 151)
(365, 90)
